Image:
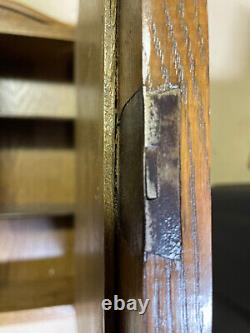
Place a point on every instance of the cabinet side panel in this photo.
(89, 140)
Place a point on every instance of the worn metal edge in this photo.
(153, 240)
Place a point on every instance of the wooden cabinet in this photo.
(37, 159)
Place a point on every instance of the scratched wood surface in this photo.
(174, 57)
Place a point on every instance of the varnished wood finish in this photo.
(19, 19)
(174, 55)
(175, 41)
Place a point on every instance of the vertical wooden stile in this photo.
(96, 81)
(172, 270)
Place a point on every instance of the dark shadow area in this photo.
(36, 58)
(231, 258)
(36, 133)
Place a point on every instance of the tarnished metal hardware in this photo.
(162, 136)
(149, 182)
(151, 172)
(131, 174)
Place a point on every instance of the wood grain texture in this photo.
(19, 19)
(175, 43)
(174, 57)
